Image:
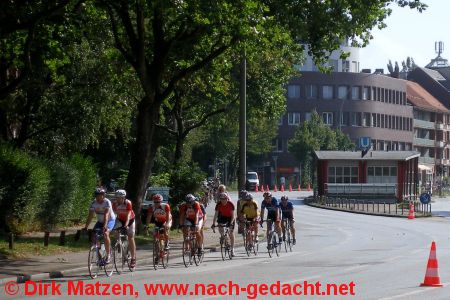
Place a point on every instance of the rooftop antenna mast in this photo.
(439, 47)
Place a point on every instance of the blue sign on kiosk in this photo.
(425, 198)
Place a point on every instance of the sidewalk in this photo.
(61, 265)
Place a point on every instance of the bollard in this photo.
(78, 235)
(46, 238)
(11, 240)
(62, 238)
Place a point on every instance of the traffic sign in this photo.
(425, 198)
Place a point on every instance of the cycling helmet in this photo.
(190, 198)
(99, 191)
(121, 193)
(157, 198)
(248, 196)
(242, 193)
(284, 198)
(223, 196)
(267, 194)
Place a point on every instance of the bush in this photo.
(24, 182)
(71, 186)
(185, 179)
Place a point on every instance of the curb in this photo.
(362, 212)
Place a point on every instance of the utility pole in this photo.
(243, 124)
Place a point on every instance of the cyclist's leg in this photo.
(131, 231)
(283, 228)
(109, 227)
(166, 233)
(231, 234)
(199, 234)
(292, 221)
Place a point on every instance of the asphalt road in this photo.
(374, 257)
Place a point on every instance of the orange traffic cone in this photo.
(411, 211)
(282, 187)
(290, 187)
(256, 188)
(432, 273)
(267, 187)
(275, 188)
(262, 187)
(309, 187)
(299, 188)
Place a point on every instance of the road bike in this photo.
(250, 239)
(190, 246)
(160, 251)
(225, 245)
(287, 235)
(272, 243)
(122, 254)
(97, 259)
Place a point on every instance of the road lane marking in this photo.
(423, 290)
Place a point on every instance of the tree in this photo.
(168, 41)
(314, 135)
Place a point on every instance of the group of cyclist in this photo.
(119, 215)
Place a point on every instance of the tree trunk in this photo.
(143, 153)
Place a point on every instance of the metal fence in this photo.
(375, 207)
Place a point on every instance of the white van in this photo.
(252, 181)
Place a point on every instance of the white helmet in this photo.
(121, 193)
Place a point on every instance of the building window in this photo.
(342, 92)
(382, 174)
(342, 174)
(345, 118)
(345, 66)
(327, 92)
(356, 119)
(327, 118)
(311, 91)
(308, 116)
(278, 145)
(355, 92)
(365, 93)
(293, 118)
(294, 91)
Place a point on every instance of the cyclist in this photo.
(159, 214)
(225, 215)
(239, 203)
(250, 212)
(273, 213)
(287, 213)
(126, 219)
(191, 215)
(106, 219)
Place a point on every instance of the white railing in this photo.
(361, 188)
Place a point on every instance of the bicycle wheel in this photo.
(195, 254)
(93, 262)
(223, 247)
(119, 262)
(270, 245)
(108, 266)
(187, 257)
(165, 255)
(156, 254)
(276, 245)
(247, 241)
(127, 255)
(288, 239)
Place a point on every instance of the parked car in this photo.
(252, 181)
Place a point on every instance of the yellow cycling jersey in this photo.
(250, 208)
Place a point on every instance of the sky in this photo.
(409, 33)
